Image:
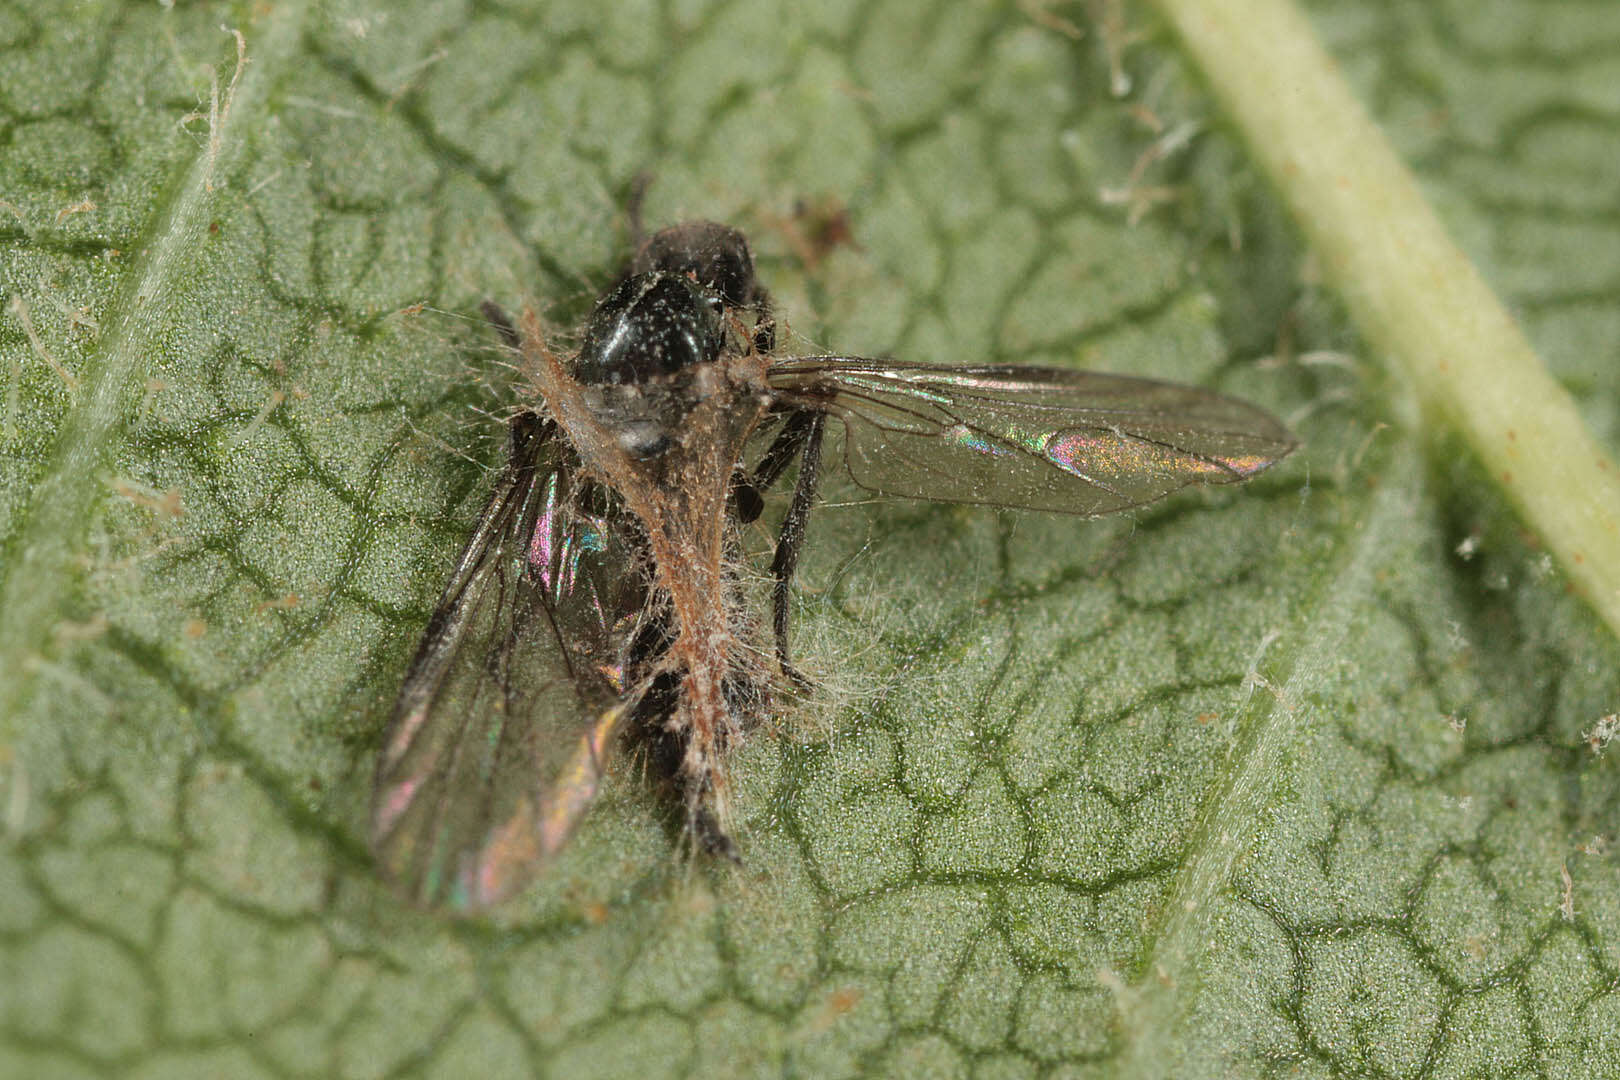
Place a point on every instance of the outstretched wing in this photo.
(514, 699)
(1078, 442)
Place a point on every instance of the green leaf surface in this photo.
(1302, 779)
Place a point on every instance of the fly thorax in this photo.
(643, 356)
(651, 325)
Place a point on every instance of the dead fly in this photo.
(599, 596)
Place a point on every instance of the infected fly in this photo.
(599, 597)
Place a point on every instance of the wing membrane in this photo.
(1078, 442)
(513, 701)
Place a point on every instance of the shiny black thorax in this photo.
(652, 325)
(650, 344)
(668, 312)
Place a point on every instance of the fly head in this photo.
(716, 256)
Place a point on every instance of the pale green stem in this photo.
(1414, 295)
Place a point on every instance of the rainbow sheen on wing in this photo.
(508, 715)
(1077, 442)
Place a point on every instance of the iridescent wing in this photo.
(1078, 442)
(514, 699)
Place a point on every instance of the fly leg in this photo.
(747, 489)
(801, 437)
